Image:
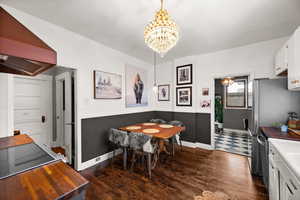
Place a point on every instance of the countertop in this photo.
(271, 132)
(52, 181)
(13, 141)
(290, 152)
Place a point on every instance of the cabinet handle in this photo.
(294, 186)
(278, 68)
(288, 187)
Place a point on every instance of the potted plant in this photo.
(219, 112)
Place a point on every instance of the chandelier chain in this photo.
(155, 63)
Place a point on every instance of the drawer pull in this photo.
(294, 186)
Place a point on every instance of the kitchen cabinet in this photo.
(282, 60)
(274, 174)
(283, 184)
(294, 61)
(288, 186)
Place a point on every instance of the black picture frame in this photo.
(168, 93)
(190, 81)
(189, 89)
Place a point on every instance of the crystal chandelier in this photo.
(161, 34)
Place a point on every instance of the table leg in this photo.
(162, 147)
(149, 164)
(173, 145)
(125, 158)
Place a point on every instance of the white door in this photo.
(33, 107)
(64, 112)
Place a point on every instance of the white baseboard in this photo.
(203, 146)
(197, 145)
(99, 159)
(189, 144)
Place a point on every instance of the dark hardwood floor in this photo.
(186, 175)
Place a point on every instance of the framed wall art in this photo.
(163, 93)
(136, 79)
(184, 96)
(184, 74)
(107, 85)
(205, 91)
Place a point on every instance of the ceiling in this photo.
(205, 25)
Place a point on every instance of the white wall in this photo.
(255, 60)
(85, 55)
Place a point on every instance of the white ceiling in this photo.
(205, 25)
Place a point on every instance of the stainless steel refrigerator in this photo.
(271, 103)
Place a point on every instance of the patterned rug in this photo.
(207, 195)
(233, 142)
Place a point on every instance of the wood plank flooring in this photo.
(186, 175)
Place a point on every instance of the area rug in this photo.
(207, 195)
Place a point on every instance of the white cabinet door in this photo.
(33, 108)
(281, 60)
(294, 61)
(273, 182)
(289, 185)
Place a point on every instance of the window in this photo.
(235, 94)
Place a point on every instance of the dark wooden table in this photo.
(52, 181)
(161, 136)
(164, 133)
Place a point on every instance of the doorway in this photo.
(45, 109)
(233, 114)
(64, 112)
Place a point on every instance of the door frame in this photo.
(59, 134)
(212, 116)
(49, 80)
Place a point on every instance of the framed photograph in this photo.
(205, 104)
(184, 96)
(184, 74)
(205, 91)
(107, 85)
(164, 93)
(136, 79)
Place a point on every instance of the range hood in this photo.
(21, 51)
